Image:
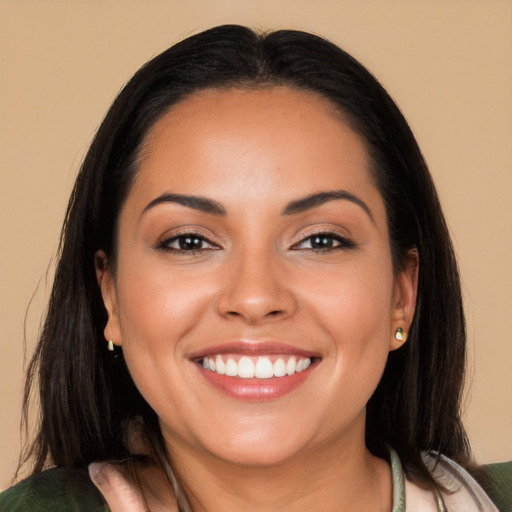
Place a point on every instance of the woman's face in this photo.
(254, 297)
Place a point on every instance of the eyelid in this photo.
(344, 241)
(164, 244)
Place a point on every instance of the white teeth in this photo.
(290, 366)
(245, 368)
(231, 368)
(264, 369)
(279, 368)
(220, 367)
(259, 368)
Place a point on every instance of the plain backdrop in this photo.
(447, 63)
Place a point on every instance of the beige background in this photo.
(447, 63)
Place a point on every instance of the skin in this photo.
(256, 278)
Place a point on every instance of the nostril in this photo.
(255, 305)
(255, 318)
(270, 313)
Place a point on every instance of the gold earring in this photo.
(400, 335)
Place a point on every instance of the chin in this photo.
(259, 446)
(258, 456)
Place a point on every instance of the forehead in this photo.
(295, 141)
(272, 110)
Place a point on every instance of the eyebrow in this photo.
(298, 206)
(196, 202)
(316, 200)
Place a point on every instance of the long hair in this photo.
(87, 398)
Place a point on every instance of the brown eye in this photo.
(190, 243)
(187, 242)
(324, 242)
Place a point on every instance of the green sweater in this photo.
(500, 485)
(58, 489)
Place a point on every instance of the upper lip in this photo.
(252, 348)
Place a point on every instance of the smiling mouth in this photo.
(255, 371)
(255, 367)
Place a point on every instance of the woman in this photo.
(256, 305)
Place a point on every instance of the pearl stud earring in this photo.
(400, 335)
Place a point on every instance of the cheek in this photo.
(157, 310)
(353, 301)
(352, 308)
(157, 307)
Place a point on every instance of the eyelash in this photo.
(343, 243)
(166, 244)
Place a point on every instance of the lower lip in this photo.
(256, 390)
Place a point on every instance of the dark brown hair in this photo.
(87, 398)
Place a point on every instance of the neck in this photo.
(351, 480)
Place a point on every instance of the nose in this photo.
(255, 290)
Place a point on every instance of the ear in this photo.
(107, 285)
(404, 299)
